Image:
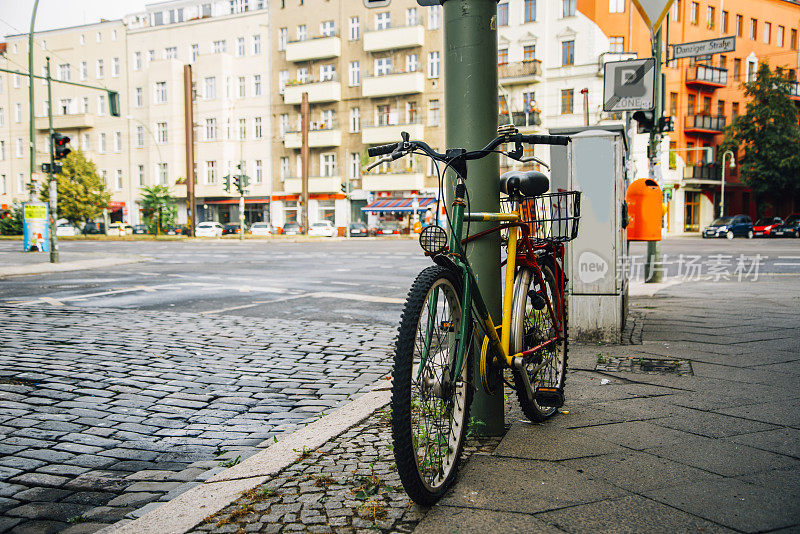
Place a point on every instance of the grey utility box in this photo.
(594, 163)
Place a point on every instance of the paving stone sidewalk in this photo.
(104, 412)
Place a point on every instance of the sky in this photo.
(15, 15)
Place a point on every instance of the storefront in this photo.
(405, 211)
(321, 207)
(224, 210)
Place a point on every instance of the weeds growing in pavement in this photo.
(220, 451)
(231, 463)
(373, 510)
(323, 481)
(237, 514)
(259, 494)
(77, 519)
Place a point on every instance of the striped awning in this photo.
(400, 204)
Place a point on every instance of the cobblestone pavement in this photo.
(105, 411)
(348, 485)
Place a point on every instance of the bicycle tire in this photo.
(426, 467)
(530, 327)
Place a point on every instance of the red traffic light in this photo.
(60, 143)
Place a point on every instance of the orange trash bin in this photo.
(645, 211)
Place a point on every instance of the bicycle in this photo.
(445, 312)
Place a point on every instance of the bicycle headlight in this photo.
(433, 239)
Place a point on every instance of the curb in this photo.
(188, 510)
(46, 268)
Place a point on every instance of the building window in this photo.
(412, 63)
(195, 52)
(567, 53)
(383, 21)
(139, 97)
(119, 179)
(302, 74)
(354, 29)
(219, 47)
(210, 87)
(383, 66)
(693, 9)
(283, 169)
(137, 61)
(257, 133)
(737, 68)
(734, 110)
(211, 129)
(101, 105)
(529, 53)
(99, 69)
(240, 47)
(711, 17)
(64, 72)
(161, 133)
(673, 104)
(20, 148)
(767, 32)
(117, 141)
(242, 129)
(327, 28)
(302, 32)
(779, 37)
(411, 16)
(283, 38)
(353, 73)
(502, 14)
(283, 125)
(256, 40)
(17, 112)
(724, 22)
(793, 40)
(691, 104)
(84, 71)
(567, 101)
(751, 71)
(502, 56)
(616, 44)
(355, 165)
(327, 72)
(412, 113)
(242, 87)
(568, 8)
(326, 210)
(530, 10)
(327, 165)
(753, 29)
(257, 85)
(103, 146)
(160, 92)
(211, 172)
(355, 119)
(86, 144)
(434, 113)
(163, 173)
(259, 171)
(616, 6)
(85, 105)
(140, 174)
(434, 17)
(140, 136)
(283, 79)
(739, 25)
(433, 64)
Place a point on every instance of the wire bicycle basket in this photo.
(551, 217)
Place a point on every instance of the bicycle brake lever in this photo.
(526, 159)
(384, 159)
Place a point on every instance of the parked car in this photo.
(730, 227)
(177, 229)
(232, 228)
(120, 228)
(764, 226)
(92, 227)
(388, 228)
(261, 229)
(292, 228)
(322, 228)
(140, 229)
(790, 228)
(358, 229)
(66, 229)
(208, 229)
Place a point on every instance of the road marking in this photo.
(52, 301)
(345, 283)
(786, 264)
(353, 296)
(254, 304)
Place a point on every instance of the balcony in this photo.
(76, 121)
(710, 171)
(316, 184)
(393, 181)
(519, 119)
(794, 90)
(399, 83)
(608, 57)
(318, 137)
(520, 72)
(311, 49)
(704, 124)
(390, 133)
(325, 91)
(707, 76)
(394, 38)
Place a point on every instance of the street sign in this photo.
(704, 48)
(629, 85)
(653, 11)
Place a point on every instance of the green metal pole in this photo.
(53, 184)
(652, 272)
(470, 73)
(30, 93)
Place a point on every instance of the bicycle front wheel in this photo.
(534, 323)
(430, 398)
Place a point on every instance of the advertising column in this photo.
(35, 227)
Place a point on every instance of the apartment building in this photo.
(226, 43)
(93, 54)
(371, 70)
(705, 94)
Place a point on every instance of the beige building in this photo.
(370, 73)
(93, 54)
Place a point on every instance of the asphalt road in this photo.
(360, 280)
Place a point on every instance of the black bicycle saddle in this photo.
(524, 183)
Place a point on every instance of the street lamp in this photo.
(722, 194)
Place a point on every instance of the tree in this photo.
(82, 194)
(158, 206)
(770, 136)
(11, 220)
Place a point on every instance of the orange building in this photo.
(703, 95)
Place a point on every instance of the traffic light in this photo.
(237, 183)
(666, 124)
(113, 103)
(227, 180)
(60, 143)
(645, 120)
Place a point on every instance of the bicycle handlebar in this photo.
(545, 139)
(380, 150)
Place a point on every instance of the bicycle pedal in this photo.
(537, 301)
(550, 397)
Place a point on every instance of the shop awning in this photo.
(236, 201)
(400, 204)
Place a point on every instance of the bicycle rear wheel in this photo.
(532, 324)
(430, 404)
